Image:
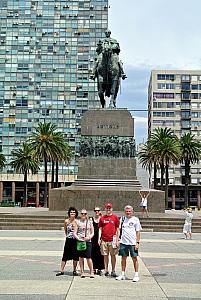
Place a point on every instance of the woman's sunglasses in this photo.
(96, 210)
(84, 214)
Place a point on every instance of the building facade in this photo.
(46, 51)
(174, 101)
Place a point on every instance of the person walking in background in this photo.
(129, 241)
(188, 223)
(97, 257)
(143, 204)
(70, 247)
(108, 231)
(84, 231)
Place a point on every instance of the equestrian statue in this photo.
(108, 69)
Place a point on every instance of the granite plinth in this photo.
(107, 122)
(89, 197)
(107, 168)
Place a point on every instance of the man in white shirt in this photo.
(129, 241)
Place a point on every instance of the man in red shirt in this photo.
(108, 230)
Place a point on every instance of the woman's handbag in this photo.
(82, 245)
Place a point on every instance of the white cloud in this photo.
(140, 121)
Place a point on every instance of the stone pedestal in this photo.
(107, 166)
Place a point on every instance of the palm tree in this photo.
(155, 139)
(168, 152)
(65, 156)
(190, 154)
(147, 159)
(47, 144)
(24, 162)
(2, 161)
(166, 148)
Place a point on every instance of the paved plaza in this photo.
(170, 268)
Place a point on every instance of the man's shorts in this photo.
(124, 250)
(106, 248)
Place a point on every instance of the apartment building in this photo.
(174, 101)
(46, 51)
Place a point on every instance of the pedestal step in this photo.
(107, 183)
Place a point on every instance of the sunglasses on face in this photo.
(84, 214)
(72, 212)
(96, 210)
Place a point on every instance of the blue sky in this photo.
(153, 34)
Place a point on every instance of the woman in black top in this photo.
(97, 258)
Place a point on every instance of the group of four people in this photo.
(101, 237)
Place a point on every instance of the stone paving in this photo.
(170, 268)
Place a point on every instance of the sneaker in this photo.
(75, 273)
(107, 274)
(121, 277)
(136, 278)
(113, 274)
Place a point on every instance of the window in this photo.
(185, 124)
(194, 78)
(21, 103)
(185, 114)
(194, 105)
(194, 86)
(185, 96)
(163, 114)
(185, 77)
(163, 95)
(165, 76)
(167, 86)
(194, 114)
(185, 86)
(21, 130)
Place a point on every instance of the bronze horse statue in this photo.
(108, 70)
(108, 75)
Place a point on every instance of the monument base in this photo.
(88, 197)
(106, 167)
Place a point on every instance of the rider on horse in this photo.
(112, 44)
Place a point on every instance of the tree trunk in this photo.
(162, 175)
(187, 181)
(25, 190)
(155, 176)
(45, 188)
(52, 181)
(57, 173)
(166, 185)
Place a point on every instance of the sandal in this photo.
(82, 276)
(91, 275)
(60, 273)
